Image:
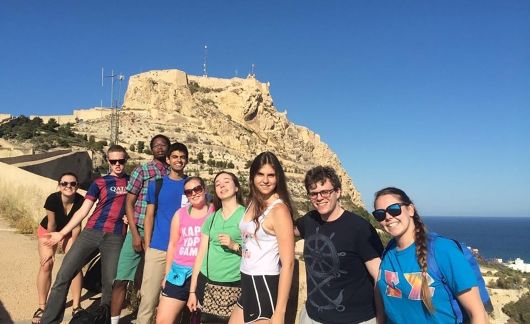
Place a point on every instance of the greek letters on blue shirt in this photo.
(399, 283)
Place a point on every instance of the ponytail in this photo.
(420, 237)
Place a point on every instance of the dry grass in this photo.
(14, 209)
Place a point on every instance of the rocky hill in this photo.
(224, 122)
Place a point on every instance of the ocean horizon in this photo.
(506, 237)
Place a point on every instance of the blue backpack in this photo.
(461, 314)
(458, 309)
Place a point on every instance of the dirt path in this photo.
(18, 292)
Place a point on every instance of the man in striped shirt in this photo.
(104, 231)
(136, 207)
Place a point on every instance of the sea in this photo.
(495, 237)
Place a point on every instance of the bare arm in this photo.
(296, 231)
(373, 269)
(129, 211)
(174, 236)
(283, 229)
(472, 303)
(74, 222)
(148, 224)
(379, 306)
(197, 265)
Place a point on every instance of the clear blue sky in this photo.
(429, 96)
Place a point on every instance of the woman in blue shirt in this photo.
(409, 292)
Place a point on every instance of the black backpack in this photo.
(100, 316)
(92, 277)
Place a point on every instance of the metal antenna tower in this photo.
(205, 63)
(114, 117)
(252, 72)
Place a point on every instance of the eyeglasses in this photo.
(313, 195)
(197, 190)
(66, 183)
(120, 161)
(393, 210)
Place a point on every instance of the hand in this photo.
(192, 302)
(224, 239)
(138, 243)
(125, 220)
(53, 238)
(277, 318)
(45, 258)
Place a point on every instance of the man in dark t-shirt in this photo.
(342, 255)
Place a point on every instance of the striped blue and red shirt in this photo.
(111, 192)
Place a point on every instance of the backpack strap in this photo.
(433, 267)
(158, 187)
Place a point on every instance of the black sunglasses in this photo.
(120, 161)
(197, 190)
(393, 210)
(66, 183)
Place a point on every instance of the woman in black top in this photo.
(59, 206)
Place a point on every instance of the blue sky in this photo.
(432, 97)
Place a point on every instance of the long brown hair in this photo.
(420, 238)
(239, 196)
(255, 200)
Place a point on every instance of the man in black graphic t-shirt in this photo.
(342, 254)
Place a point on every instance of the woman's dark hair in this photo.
(239, 195)
(420, 238)
(68, 173)
(164, 137)
(255, 200)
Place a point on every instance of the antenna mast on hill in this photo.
(114, 104)
(252, 72)
(205, 62)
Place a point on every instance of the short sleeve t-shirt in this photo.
(54, 204)
(399, 283)
(340, 288)
(222, 264)
(138, 182)
(170, 199)
(110, 192)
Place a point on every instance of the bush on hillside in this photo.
(519, 311)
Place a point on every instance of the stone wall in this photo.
(78, 162)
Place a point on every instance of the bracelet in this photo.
(192, 292)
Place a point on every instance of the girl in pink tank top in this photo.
(184, 241)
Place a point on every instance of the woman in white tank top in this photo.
(268, 245)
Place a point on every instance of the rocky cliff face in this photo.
(223, 120)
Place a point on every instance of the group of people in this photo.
(191, 242)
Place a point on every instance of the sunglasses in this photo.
(66, 183)
(120, 161)
(325, 194)
(197, 190)
(393, 210)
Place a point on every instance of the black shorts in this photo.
(258, 296)
(177, 292)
